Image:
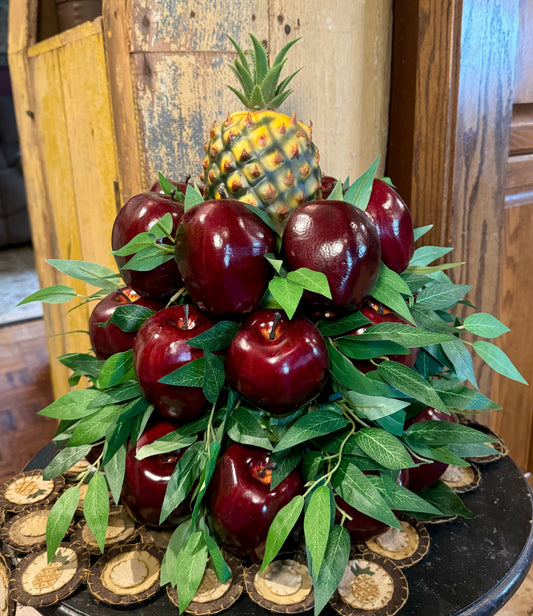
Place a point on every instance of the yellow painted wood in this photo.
(69, 157)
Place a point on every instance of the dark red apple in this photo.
(138, 215)
(276, 362)
(361, 527)
(422, 476)
(378, 313)
(181, 186)
(111, 339)
(219, 250)
(338, 239)
(160, 348)
(327, 184)
(145, 481)
(393, 221)
(241, 502)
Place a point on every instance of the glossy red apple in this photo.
(241, 502)
(219, 250)
(378, 313)
(393, 221)
(138, 215)
(276, 362)
(361, 527)
(145, 481)
(160, 348)
(338, 239)
(422, 476)
(111, 339)
(327, 184)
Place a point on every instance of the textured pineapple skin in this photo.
(264, 158)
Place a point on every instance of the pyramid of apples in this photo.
(275, 354)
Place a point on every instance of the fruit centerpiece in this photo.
(277, 373)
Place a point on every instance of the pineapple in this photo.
(261, 156)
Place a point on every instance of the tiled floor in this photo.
(25, 389)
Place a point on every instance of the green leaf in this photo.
(190, 568)
(442, 296)
(205, 477)
(136, 244)
(72, 405)
(427, 254)
(432, 269)
(214, 376)
(60, 518)
(263, 216)
(150, 257)
(166, 185)
(217, 559)
(64, 460)
(125, 392)
(116, 435)
(485, 325)
(389, 279)
(336, 556)
(435, 433)
(83, 363)
(287, 293)
(93, 428)
(189, 375)
(115, 469)
(347, 375)
(458, 396)
(170, 559)
(312, 465)
(277, 264)
(244, 427)
(337, 194)
(281, 527)
(358, 193)
(458, 354)
(167, 444)
(375, 407)
(394, 300)
(96, 275)
(312, 425)
(129, 317)
(445, 500)
(285, 463)
(430, 320)
(317, 522)
(497, 360)
(217, 338)
(96, 508)
(354, 487)
(311, 281)
(404, 334)
(393, 423)
(193, 197)
(441, 454)
(186, 472)
(357, 349)
(383, 447)
(409, 382)
(346, 324)
(420, 231)
(116, 369)
(400, 498)
(471, 450)
(56, 294)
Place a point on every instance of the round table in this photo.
(472, 568)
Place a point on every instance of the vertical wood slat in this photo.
(68, 150)
(454, 86)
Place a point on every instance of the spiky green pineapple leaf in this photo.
(270, 82)
(283, 51)
(260, 60)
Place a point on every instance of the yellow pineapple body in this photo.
(264, 158)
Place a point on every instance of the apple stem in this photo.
(185, 323)
(269, 466)
(277, 317)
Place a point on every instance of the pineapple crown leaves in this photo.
(259, 82)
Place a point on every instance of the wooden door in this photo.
(515, 423)
(461, 151)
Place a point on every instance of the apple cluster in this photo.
(214, 271)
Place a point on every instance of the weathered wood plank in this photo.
(343, 87)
